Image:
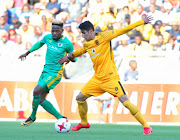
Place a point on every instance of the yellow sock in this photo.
(136, 113)
(82, 106)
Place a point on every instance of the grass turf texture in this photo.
(46, 131)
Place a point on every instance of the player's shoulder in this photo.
(104, 34)
(65, 39)
(48, 36)
(101, 33)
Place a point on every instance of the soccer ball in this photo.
(62, 125)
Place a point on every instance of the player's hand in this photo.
(147, 19)
(63, 60)
(23, 57)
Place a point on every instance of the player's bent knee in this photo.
(81, 97)
(36, 92)
(123, 98)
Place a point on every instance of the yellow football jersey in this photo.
(101, 53)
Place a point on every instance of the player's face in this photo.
(87, 35)
(56, 32)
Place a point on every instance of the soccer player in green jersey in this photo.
(57, 46)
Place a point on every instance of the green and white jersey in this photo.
(55, 50)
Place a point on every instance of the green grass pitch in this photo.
(46, 131)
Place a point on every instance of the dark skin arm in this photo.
(66, 59)
(23, 56)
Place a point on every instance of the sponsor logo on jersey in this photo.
(93, 51)
(54, 48)
(96, 42)
(95, 55)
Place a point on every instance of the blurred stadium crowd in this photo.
(155, 47)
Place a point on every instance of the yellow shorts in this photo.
(96, 87)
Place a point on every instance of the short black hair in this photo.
(87, 25)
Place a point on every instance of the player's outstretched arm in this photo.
(71, 56)
(23, 56)
(109, 35)
(33, 48)
(145, 20)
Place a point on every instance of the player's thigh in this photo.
(114, 87)
(92, 88)
(49, 80)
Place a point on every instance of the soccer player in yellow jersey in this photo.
(106, 78)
